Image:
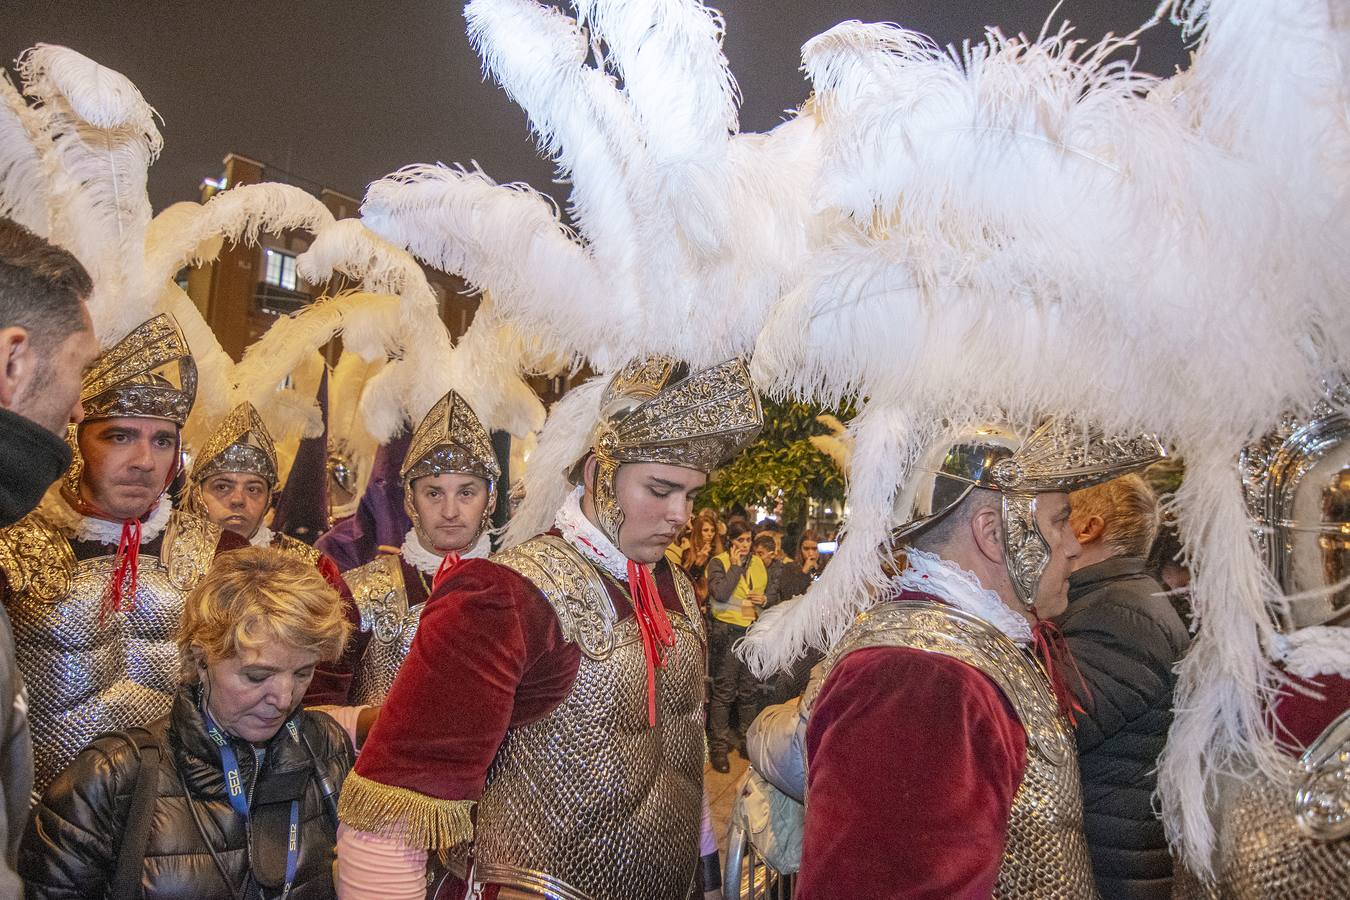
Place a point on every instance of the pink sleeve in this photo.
(346, 716)
(708, 843)
(372, 867)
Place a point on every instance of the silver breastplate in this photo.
(88, 674)
(1045, 854)
(1289, 837)
(589, 802)
(87, 671)
(382, 598)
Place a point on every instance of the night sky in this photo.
(343, 91)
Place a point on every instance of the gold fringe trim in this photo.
(420, 820)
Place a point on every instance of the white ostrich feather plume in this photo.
(1025, 227)
(24, 192)
(565, 438)
(686, 232)
(97, 137)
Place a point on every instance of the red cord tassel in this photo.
(1054, 653)
(448, 564)
(654, 626)
(116, 597)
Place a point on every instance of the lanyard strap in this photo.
(234, 788)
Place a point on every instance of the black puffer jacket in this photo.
(1126, 640)
(70, 848)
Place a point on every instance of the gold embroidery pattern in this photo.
(572, 587)
(37, 559)
(188, 549)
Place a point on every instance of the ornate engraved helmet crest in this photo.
(147, 374)
(242, 443)
(1057, 456)
(654, 410)
(450, 438)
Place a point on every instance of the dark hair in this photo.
(42, 287)
(736, 528)
(807, 535)
(764, 542)
(935, 537)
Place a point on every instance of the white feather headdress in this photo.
(1026, 227)
(686, 231)
(487, 367)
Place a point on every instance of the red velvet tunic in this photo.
(914, 759)
(488, 655)
(1300, 717)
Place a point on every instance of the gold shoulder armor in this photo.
(188, 549)
(37, 559)
(380, 595)
(292, 547)
(571, 586)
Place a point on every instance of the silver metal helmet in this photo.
(1298, 488)
(1057, 457)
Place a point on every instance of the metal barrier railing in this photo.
(746, 876)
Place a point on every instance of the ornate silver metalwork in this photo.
(382, 599)
(1322, 803)
(90, 670)
(147, 374)
(1297, 484)
(450, 438)
(241, 444)
(1057, 457)
(1045, 854)
(1286, 835)
(653, 411)
(589, 801)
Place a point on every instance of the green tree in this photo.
(782, 459)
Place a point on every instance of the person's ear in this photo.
(16, 364)
(589, 471)
(986, 529)
(198, 657)
(1090, 529)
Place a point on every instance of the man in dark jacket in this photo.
(1126, 639)
(46, 343)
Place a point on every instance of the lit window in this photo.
(280, 269)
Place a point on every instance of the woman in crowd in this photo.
(737, 580)
(233, 793)
(804, 568)
(704, 544)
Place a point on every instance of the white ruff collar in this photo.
(105, 531)
(944, 579)
(589, 540)
(1318, 650)
(428, 563)
(263, 537)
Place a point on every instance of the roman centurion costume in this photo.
(1283, 828)
(242, 444)
(95, 602)
(391, 590)
(943, 674)
(547, 725)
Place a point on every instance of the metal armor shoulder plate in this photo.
(382, 598)
(571, 586)
(937, 628)
(292, 547)
(380, 595)
(37, 559)
(688, 601)
(188, 549)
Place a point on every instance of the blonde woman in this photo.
(233, 793)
